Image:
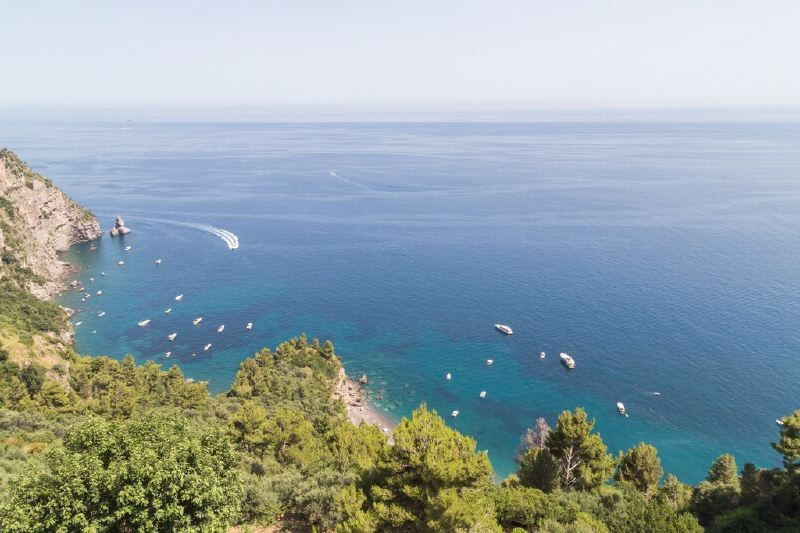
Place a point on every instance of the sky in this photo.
(499, 54)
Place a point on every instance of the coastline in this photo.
(359, 408)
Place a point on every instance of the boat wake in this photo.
(349, 181)
(230, 238)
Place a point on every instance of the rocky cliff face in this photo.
(37, 221)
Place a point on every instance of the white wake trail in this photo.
(349, 181)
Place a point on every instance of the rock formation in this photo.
(37, 221)
(119, 227)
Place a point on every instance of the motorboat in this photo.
(102, 273)
(179, 297)
(121, 263)
(249, 325)
(448, 376)
(101, 314)
(91, 279)
(483, 394)
(542, 355)
(221, 328)
(143, 323)
(127, 248)
(168, 310)
(167, 354)
(621, 408)
(206, 347)
(197, 321)
(99, 293)
(78, 323)
(455, 413)
(172, 336)
(568, 361)
(489, 362)
(504, 329)
(158, 261)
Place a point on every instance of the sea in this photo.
(664, 257)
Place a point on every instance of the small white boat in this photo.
(483, 394)
(504, 329)
(249, 325)
(489, 362)
(542, 355)
(197, 321)
(778, 421)
(102, 273)
(621, 408)
(568, 361)
(94, 331)
(91, 279)
(179, 297)
(127, 248)
(206, 347)
(78, 323)
(455, 413)
(168, 310)
(99, 293)
(158, 261)
(172, 336)
(221, 328)
(448, 376)
(121, 263)
(101, 314)
(167, 354)
(87, 295)
(143, 323)
(655, 393)
(83, 299)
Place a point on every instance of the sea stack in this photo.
(363, 379)
(119, 227)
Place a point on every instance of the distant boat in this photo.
(92, 248)
(221, 328)
(655, 393)
(542, 355)
(101, 314)
(621, 408)
(179, 297)
(99, 293)
(94, 331)
(102, 273)
(78, 323)
(197, 320)
(448, 377)
(127, 248)
(172, 336)
(778, 421)
(455, 413)
(158, 261)
(167, 354)
(91, 279)
(568, 361)
(206, 347)
(249, 325)
(144, 323)
(489, 362)
(483, 394)
(504, 329)
(121, 263)
(167, 310)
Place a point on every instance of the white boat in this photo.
(144, 323)
(197, 320)
(168, 310)
(621, 408)
(158, 261)
(83, 299)
(179, 297)
(455, 413)
(94, 331)
(221, 328)
(206, 347)
(121, 263)
(172, 336)
(778, 421)
(167, 354)
(87, 295)
(127, 248)
(91, 279)
(102, 273)
(483, 394)
(448, 376)
(489, 362)
(101, 314)
(542, 355)
(249, 325)
(78, 323)
(568, 361)
(504, 329)
(99, 293)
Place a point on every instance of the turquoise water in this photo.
(662, 257)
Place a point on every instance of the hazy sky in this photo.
(464, 53)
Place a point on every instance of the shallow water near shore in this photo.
(662, 257)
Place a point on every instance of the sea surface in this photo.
(664, 257)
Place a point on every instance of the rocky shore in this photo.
(359, 408)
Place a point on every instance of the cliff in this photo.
(37, 221)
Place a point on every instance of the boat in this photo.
(91, 279)
(158, 261)
(168, 310)
(249, 325)
(483, 394)
(127, 248)
(99, 293)
(568, 361)
(448, 377)
(179, 297)
(621, 408)
(455, 413)
(542, 355)
(172, 336)
(206, 347)
(221, 328)
(197, 321)
(121, 263)
(102, 273)
(778, 421)
(101, 314)
(167, 354)
(504, 329)
(78, 323)
(92, 248)
(489, 362)
(94, 331)
(144, 323)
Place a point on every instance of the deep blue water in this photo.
(662, 257)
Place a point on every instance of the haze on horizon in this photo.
(513, 54)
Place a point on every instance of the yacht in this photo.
(455, 413)
(206, 347)
(504, 329)
(621, 408)
(172, 336)
(197, 320)
(158, 261)
(168, 310)
(489, 362)
(568, 361)
(542, 355)
(221, 328)
(249, 325)
(448, 376)
(144, 323)
(483, 394)
(101, 314)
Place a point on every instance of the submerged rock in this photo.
(119, 227)
(363, 379)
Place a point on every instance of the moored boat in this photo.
(448, 376)
(483, 394)
(179, 297)
(568, 361)
(221, 328)
(455, 413)
(197, 320)
(168, 310)
(489, 362)
(206, 347)
(249, 325)
(143, 323)
(172, 336)
(504, 329)
(621, 408)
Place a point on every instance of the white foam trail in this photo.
(349, 181)
(228, 237)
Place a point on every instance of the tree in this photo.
(33, 377)
(53, 395)
(538, 469)
(582, 457)
(636, 513)
(723, 470)
(788, 444)
(641, 467)
(674, 493)
(534, 437)
(154, 473)
(710, 500)
(531, 508)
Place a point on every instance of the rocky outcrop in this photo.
(37, 221)
(119, 227)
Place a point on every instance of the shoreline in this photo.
(359, 408)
